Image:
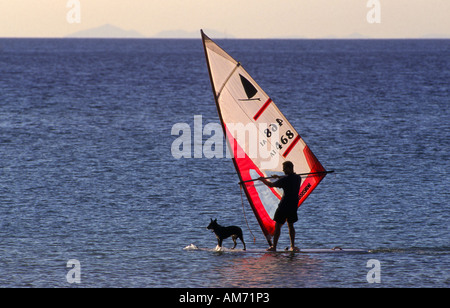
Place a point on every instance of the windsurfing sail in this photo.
(259, 136)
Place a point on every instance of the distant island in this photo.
(111, 31)
(192, 34)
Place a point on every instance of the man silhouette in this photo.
(287, 208)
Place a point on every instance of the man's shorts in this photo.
(282, 215)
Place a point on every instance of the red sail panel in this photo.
(244, 166)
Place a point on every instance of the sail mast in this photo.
(204, 38)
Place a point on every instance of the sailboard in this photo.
(259, 136)
(193, 247)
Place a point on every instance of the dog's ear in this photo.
(215, 220)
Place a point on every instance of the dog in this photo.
(225, 232)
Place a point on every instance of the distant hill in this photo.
(110, 31)
(106, 31)
(191, 34)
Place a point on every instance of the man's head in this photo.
(288, 167)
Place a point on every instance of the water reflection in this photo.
(268, 270)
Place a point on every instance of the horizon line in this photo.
(228, 38)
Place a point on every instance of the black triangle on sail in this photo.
(250, 90)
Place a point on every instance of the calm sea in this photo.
(87, 172)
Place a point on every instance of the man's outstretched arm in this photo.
(268, 183)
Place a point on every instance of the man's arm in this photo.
(268, 183)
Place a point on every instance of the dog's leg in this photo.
(234, 241)
(242, 240)
(241, 237)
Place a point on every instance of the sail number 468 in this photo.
(284, 139)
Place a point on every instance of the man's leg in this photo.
(292, 236)
(276, 236)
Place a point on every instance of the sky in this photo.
(235, 18)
